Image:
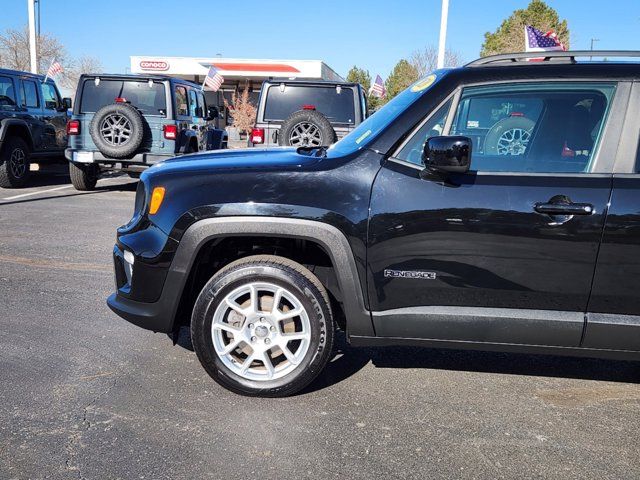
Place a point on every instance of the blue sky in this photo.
(372, 34)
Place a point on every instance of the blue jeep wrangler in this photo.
(129, 122)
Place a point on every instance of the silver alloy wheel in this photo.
(18, 163)
(116, 129)
(513, 141)
(305, 134)
(261, 331)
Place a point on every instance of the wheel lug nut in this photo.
(251, 325)
(267, 341)
(273, 329)
(262, 319)
(253, 339)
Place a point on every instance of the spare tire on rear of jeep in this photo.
(117, 130)
(306, 128)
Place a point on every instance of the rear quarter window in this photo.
(149, 98)
(335, 104)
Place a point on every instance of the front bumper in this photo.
(144, 296)
(138, 159)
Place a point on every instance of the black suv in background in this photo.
(32, 124)
(302, 113)
(491, 207)
(130, 122)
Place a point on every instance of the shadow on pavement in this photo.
(347, 361)
(124, 187)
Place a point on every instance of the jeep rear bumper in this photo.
(138, 159)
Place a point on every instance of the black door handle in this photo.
(564, 208)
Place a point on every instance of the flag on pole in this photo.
(54, 69)
(213, 80)
(536, 41)
(377, 89)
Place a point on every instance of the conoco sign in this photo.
(157, 65)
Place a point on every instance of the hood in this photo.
(285, 158)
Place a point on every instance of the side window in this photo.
(29, 94)
(412, 150)
(50, 97)
(202, 105)
(543, 128)
(193, 103)
(182, 103)
(7, 94)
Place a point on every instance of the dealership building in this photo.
(237, 72)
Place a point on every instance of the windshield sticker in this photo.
(424, 83)
(473, 124)
(363, 136)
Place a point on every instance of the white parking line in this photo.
(35, 193)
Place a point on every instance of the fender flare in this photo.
(10, 122)
(334, 242)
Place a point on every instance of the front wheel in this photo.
(262, 326)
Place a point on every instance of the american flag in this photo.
(536, 41)
(213, 80)
(54, 69)
(377, 89)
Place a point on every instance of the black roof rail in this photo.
(553, 56)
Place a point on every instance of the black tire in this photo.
(109, 148)
(15, 158)
(501, 129)
(306, 117)
(84, 177)
(281, 272)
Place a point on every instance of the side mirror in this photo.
(447, 154)
(212, 113)
(66, 103)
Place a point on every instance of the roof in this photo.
(141, 76)
(20, 73)
(311, 82)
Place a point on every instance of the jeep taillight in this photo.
(170, 132)
(257, 135)
(73, 127)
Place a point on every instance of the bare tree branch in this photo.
(426, 60)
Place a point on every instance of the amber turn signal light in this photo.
(156, 200)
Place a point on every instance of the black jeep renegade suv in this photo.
(494, 206)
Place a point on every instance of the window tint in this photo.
(193, 103)
(28, 94)
(147, 97)
(50, 97)
(433, 127)
(182, 103)
(337, 107)
(202, 104)
(7, 94)
(533, 128)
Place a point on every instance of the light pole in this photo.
(443, 33)
(593, 40)
(32, 36)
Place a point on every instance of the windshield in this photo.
(372, 126)
(337, 104)
(148, 97)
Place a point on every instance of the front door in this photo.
(506, 252)
(54, 117)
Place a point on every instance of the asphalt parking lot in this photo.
(86, 395)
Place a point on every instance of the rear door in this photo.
(504, 253)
